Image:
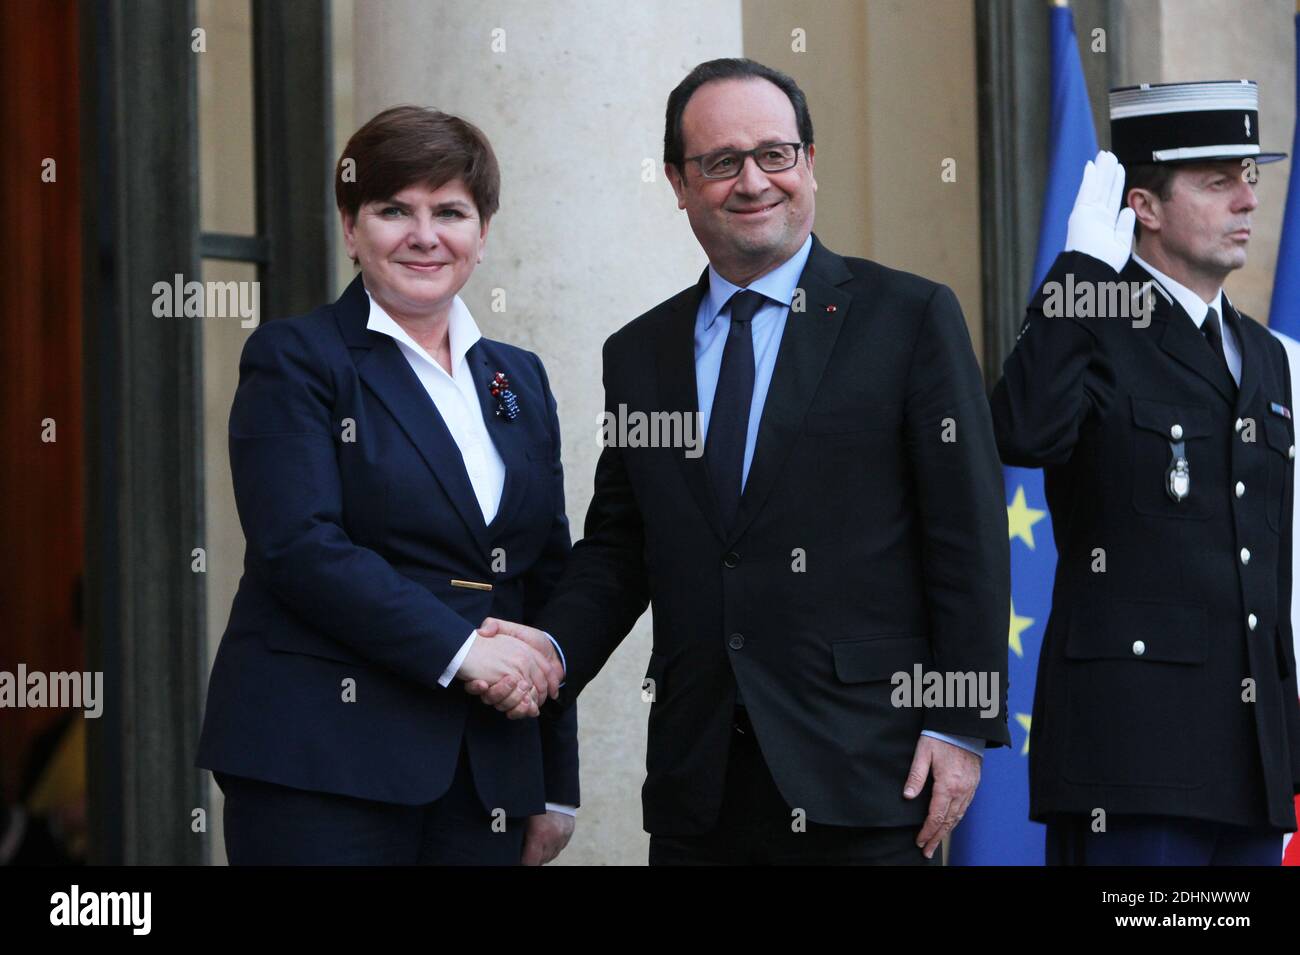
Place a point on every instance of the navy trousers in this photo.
(269, 824)
(1159, 840)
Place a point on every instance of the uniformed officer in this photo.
(1166, 728)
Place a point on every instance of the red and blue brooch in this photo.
(507, 403)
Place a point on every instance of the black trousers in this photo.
(269, 824)
(756, 826)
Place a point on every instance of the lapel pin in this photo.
(830, 308)
(507, 403)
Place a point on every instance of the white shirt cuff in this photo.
(556, 644)
(973, 744)
(453, 667)
(567, 810)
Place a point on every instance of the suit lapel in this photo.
(675, 362)
(508, 436)
(385, 370)
(1182, 340)
(805, 348)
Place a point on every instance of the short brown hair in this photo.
(1153, 177)
(406, 145)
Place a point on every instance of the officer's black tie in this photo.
(1214, 335)
(724, 449)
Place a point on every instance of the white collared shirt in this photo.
(1197, 309)
(455, 397)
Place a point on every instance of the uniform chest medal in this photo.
(1178, 478)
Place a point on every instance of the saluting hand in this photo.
(1098, 226)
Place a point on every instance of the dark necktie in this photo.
(1214, 335)
(724, 449)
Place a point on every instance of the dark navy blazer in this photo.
(358, 513)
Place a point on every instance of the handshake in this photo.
(512, 667)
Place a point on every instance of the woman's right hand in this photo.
(503, 659)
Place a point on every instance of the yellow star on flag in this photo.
(1016, 627)
(1021, 518)
(1024, 720)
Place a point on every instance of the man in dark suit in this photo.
(1166, 728)
(843, 528)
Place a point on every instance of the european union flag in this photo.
(997, 830)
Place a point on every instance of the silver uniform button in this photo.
(1241, 489)
(1290, 452)
(1176, 432)
(1251, 620)
(1245, 555)
(1139, 647)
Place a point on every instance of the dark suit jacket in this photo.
(865, 544)
(358, 513)
(1139, 705)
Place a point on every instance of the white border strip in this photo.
(1146, 101)
(1152, 108)
(1198, 152)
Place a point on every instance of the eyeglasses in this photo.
(727, 163)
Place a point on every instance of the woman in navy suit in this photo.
(398, 481)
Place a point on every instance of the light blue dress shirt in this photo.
(713, 324)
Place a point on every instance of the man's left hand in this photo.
(546, 836)
(956, 774)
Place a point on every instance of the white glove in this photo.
(1097, 225)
